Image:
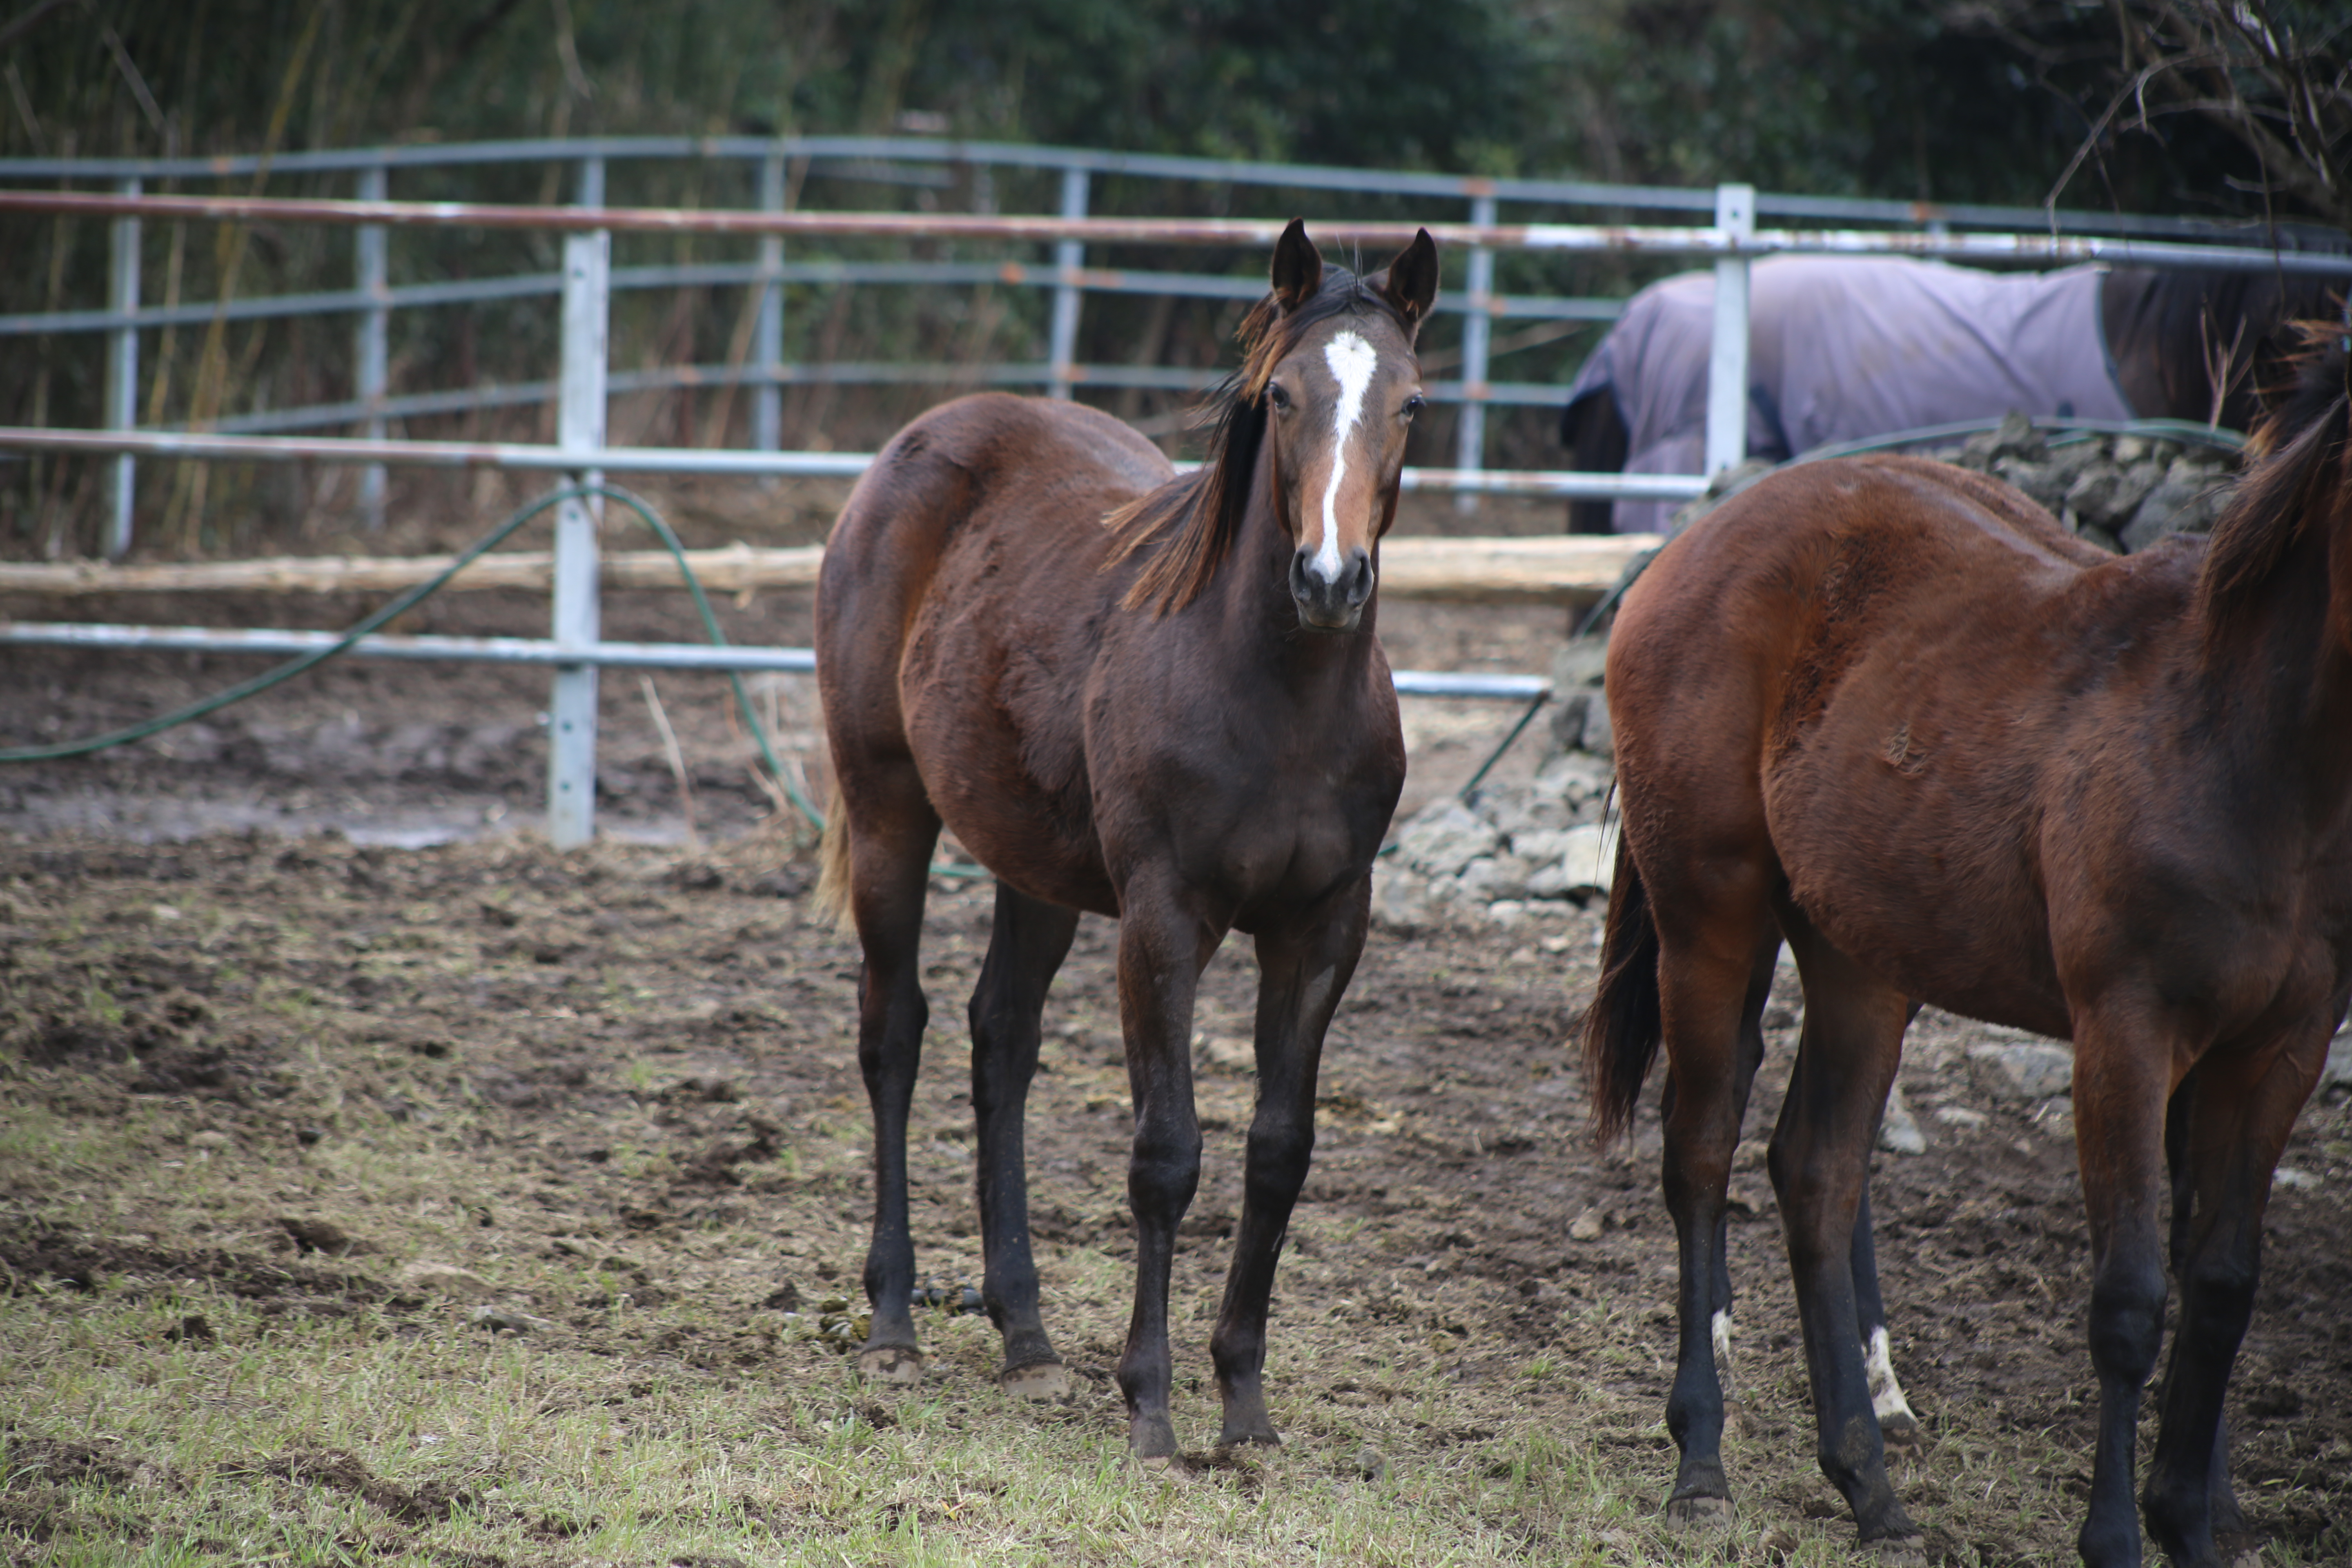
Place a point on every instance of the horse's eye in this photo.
(1277, 396)
(1414, 404)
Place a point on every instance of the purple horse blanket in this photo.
(1843, 348)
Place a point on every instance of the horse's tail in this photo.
(1624, 1026)
(832, 863)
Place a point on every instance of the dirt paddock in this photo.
(309, 1058)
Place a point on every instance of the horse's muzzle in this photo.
(1331, 605)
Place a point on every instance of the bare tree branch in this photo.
(2243, 65)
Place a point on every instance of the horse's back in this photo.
(1060, 466)
(1869, 672)
(1815, 562)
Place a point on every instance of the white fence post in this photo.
(768, 328)
(122, 374)
(1727, 365)
(1477, 333)
(1068, 257)
(579, 426)
(373, 355)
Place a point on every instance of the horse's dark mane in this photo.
(2288, 493)
(1193, 520)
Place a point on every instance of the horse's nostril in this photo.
(1301, 583)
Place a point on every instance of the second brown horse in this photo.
(1181, 718)
(1890, 711)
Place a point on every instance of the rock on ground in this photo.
(1503, 849)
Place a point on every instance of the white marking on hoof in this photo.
(1352, 360)
(1721, 1324)
(890, 1363)
(1886, 1394)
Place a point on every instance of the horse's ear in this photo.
(1297, 267)
(1411, 283)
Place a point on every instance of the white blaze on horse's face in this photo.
(1344, 402)
(1352, 361)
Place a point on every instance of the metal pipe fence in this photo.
(584, 383)
(887, 160)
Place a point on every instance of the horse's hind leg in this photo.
(2234, 1117)
(1845, 1063)
(1896, 1422)
(1302, 974)
(1030, 939)
(1712, 925)
(892, 832)
(1749, 1058)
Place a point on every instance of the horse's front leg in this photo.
(2230, 1118)
(1030, 941)
(1303, 972)
(2121, 1080)
(1162, 952)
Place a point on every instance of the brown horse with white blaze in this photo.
(1151, 697)
(1890, 711)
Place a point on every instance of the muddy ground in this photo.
(322, 924)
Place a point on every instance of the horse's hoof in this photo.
(1700, 1513)
(1900, 1431)
(1150, 1437)
(890, 1363)
(1045, 1382)
(1255, 1434)
(1899, 1552)
(1163, 1467)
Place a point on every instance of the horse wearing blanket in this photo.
(1845, 348)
